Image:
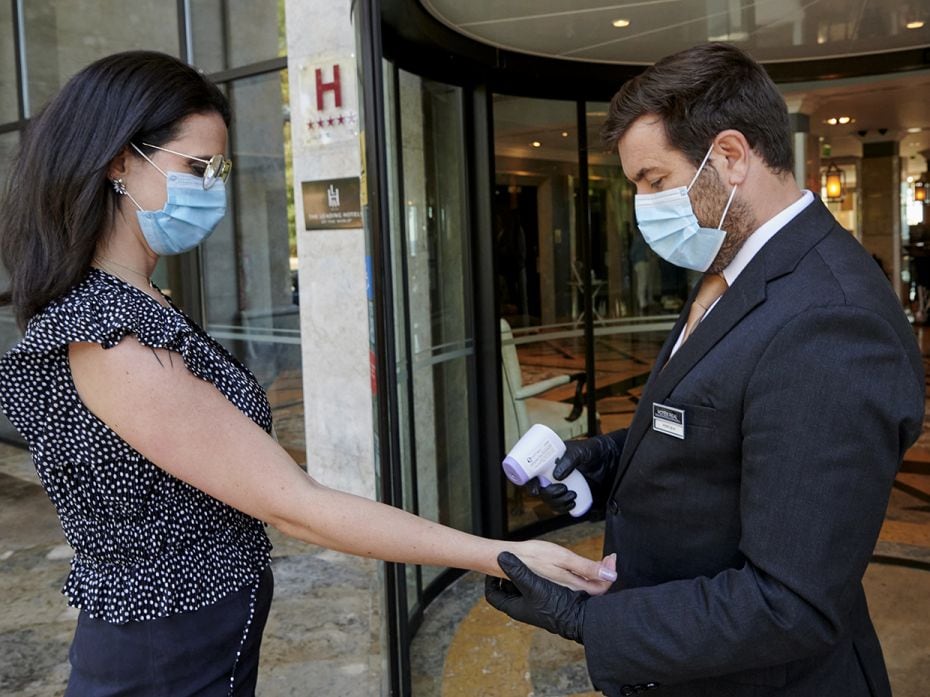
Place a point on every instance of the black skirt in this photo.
(211, 652)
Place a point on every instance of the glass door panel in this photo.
(249, 264)
(540, 275)
(641, 295)
(431, 266)
(9, 332)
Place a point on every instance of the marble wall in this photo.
(333, 282)
(334, 318)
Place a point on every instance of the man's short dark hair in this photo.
(700, 92)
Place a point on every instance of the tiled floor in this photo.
(319, 639)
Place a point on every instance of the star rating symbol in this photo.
(324, 122)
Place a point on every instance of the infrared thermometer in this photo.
(535, 455)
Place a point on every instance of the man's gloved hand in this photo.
(596, 458)
(534, 600)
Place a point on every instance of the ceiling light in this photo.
(536, 144)
(831, 121)
(915, 129)
(620, 23)
(844, 119)
(918, 24)
(565, 134)
(731, 37)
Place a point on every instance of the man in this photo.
(746, 497)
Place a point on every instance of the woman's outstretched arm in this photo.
(185, 426)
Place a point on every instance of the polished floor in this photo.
(320, 639)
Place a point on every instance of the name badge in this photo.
(668, 420)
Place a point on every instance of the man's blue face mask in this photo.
(668, 224)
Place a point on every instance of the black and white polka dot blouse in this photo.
(146, 544)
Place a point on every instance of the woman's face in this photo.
(200, 135)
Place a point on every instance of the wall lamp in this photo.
(920, 188)
(834, 181)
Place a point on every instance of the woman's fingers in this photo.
(569, 569)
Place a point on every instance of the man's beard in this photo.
(709, 198)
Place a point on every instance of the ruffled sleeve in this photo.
(104, 313)
(103, 309)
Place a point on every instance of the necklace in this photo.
(100, 261)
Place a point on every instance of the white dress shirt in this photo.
(753, 244)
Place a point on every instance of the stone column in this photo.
(547, 212)
(925, 177)
(806, 152)
(333, 281)
(340, 651)
(880, 199)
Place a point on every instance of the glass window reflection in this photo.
(430, 242)
(8, 80)
(249, 263)
(233, 33)
(9, 332)
(63, 37)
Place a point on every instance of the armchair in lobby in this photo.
(522, 406)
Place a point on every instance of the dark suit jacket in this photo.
(741, 548)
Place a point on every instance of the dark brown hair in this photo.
(58, 200)
(700, 92)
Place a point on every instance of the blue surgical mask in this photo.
(668, 224)
(190, 214)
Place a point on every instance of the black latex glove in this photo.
(534, 600)
(596, 458)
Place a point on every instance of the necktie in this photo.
(712, 287)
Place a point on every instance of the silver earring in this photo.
(118, 186)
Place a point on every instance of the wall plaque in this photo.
(331, 204)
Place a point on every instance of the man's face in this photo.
(649, 161)
(653, 165)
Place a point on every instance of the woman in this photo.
(150, 439)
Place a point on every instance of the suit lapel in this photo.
(778, 257)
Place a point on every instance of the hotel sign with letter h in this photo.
(328, 102)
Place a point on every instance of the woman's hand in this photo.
(565, 567)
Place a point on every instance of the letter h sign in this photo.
(334, 86)
(328, 100)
